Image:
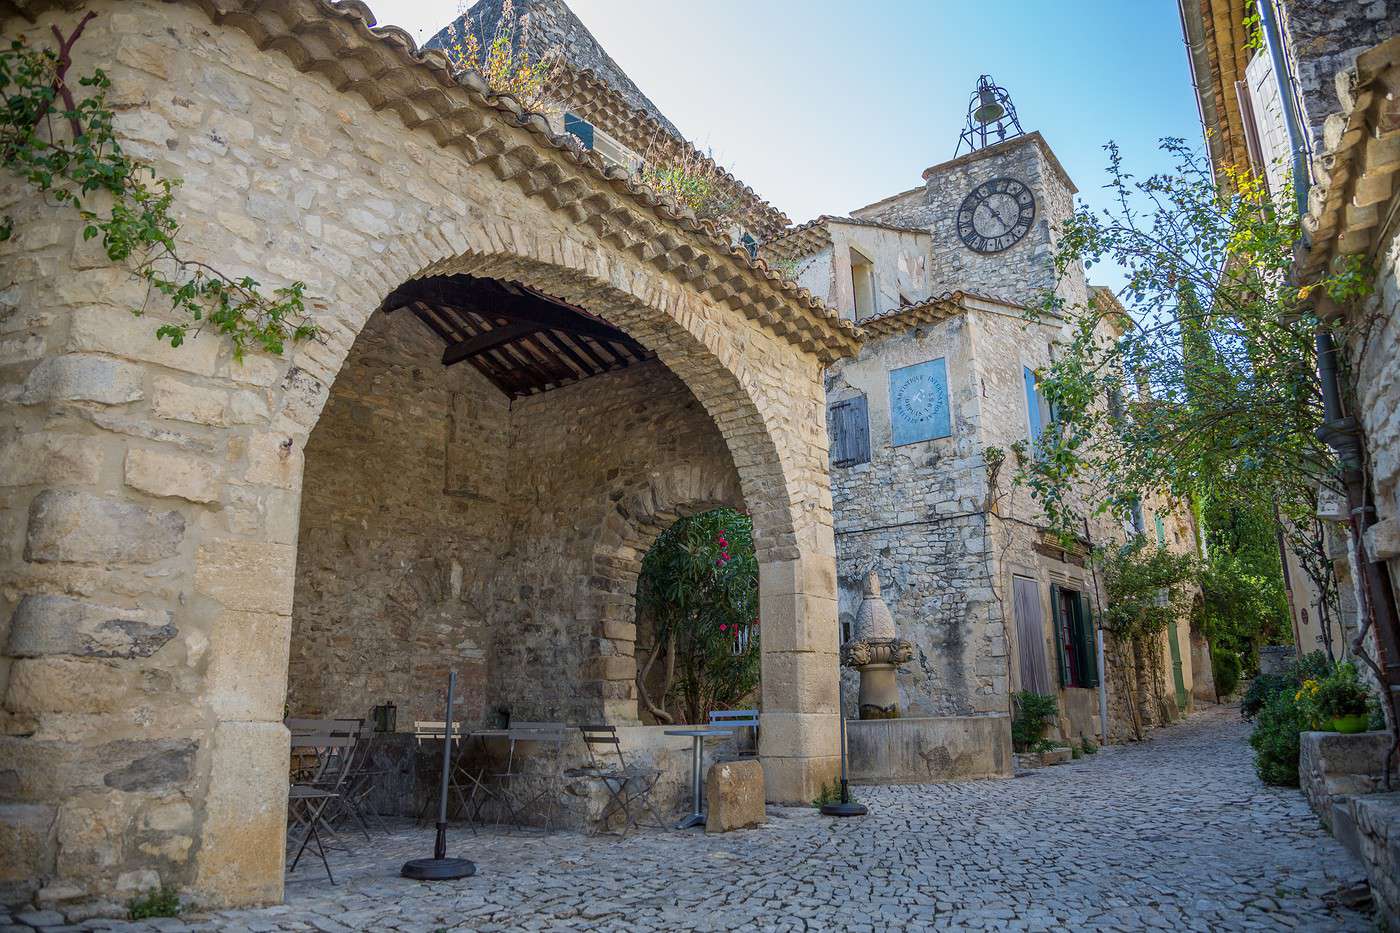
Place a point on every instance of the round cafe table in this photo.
(698, 734)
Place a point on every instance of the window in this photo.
(1038, 410)
(1136, 524)
(578, 126)
(849, 427)
(919, 403)
(1074, 637)
(1161, 530)
(863, 282)
(749, 244)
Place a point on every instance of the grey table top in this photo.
(700, 731)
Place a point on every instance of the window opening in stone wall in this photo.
(1074, 637)
(849, 425)
(863, 284)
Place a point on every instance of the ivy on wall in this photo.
(66, 148)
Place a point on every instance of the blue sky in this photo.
(823, 106)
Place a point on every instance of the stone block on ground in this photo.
(734, 796)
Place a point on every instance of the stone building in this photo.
(1317, 104)
(925, 423)
(527, 365)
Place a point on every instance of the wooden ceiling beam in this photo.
(488, 340)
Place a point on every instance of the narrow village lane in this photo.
(1175, 833)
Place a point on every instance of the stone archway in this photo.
(150, 519)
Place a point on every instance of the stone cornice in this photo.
(384, 66)
(815, 235)
(1356, 174)
(931, 311)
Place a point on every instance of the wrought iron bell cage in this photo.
(991, 117)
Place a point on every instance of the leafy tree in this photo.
(503, 60)
(1211, 392)
(1245, 605)
(699, 585)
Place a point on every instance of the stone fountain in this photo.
(876, 651)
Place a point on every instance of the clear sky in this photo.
(823, 106)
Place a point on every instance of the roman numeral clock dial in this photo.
(996, 215)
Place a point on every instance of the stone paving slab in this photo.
(1174, 834)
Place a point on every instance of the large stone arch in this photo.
(148, 526)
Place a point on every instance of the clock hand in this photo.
(1000, 219)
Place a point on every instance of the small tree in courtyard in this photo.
(699, 587)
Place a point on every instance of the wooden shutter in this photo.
(1161, 530)
(1058, 616)
(1030, 636)
(579, 127)
(1032, 407)
(850, 432)
(1090, 664)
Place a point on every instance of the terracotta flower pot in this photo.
(1350, 725)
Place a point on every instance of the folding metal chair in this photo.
(629, 787)
(545, 782)
(306, 806)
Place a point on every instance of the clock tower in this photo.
(993, 213)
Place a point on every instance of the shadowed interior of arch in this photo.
(463, 517)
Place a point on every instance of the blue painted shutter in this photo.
(1161, 530)
(929, 417)
(1032, 407)
(579, 127)
(850, 432)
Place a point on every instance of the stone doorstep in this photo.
(1053, 756)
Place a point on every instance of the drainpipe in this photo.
(1098, 641)
(1296, 141)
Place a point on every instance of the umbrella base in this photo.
(844, 809)
(438, 869)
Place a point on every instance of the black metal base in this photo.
(844, 809)
(438, 869)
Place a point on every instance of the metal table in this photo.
(697, 735)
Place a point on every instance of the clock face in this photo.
(996, 215)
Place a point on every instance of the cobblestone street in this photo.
(1175, 833)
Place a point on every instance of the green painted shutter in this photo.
(1086, 641)
(1059, 620)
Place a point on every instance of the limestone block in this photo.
(50, 459)
(1383, 539)
(26, 841)
(91, 833)
(255, 576)
(44, 625)
(165, 765)
(79, 526)
(734, 796)
(240, 858)
(79, 378)
(273, 460)
(180, 401)
(171, 474)
(800, 734)
(797, 780)
(799, 680)
(114, 332)
(248, 664)
(67, 685)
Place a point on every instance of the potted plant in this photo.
(1336, 702)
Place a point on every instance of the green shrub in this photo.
(1088, 745)
(1260, 689)
(831, 793)
(1033, 712)
(1275, 739)
(1226, 666)
(157, 902)
(1375, 715)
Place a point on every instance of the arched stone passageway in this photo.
(152, 495)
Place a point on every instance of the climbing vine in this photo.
(60, 138)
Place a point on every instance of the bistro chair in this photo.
(629, 786)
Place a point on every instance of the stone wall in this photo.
(900, 259)
(403, 505)
(1323, 37)
(148, 515)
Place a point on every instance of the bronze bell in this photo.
(990, 109)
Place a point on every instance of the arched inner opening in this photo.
(478, 493)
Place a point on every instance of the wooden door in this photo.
(1030, 636)
(1177, 675)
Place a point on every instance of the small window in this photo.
(749, 244)
(1038, 411)
(849, 426)
(578, 126)
(1137, 524)
(1161, 530)
(863, 282)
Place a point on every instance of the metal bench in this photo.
(738, 719)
